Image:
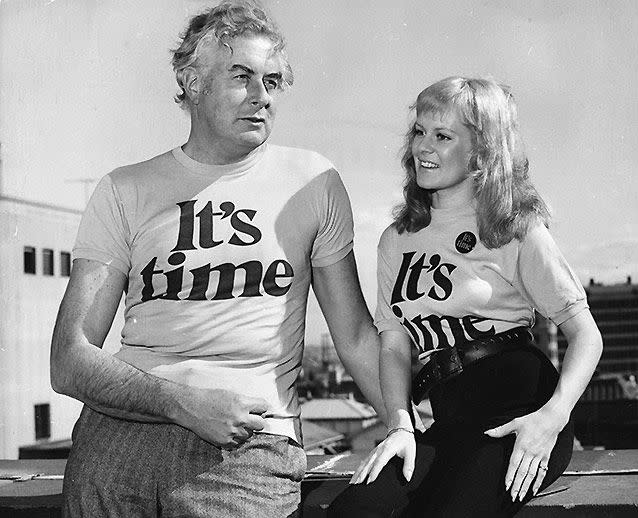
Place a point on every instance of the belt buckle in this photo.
(449, 362)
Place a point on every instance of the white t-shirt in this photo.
(441, 285)
(218, 261)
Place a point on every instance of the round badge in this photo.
(465, 242)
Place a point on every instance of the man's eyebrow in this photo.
(248, 70)
(237, 66)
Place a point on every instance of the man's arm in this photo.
(82, 370)
(353, 333)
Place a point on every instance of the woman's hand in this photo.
(536, 435)
(399, 442)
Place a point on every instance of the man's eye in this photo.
(419, 131)
(271, 84)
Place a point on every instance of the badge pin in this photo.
(465, 242)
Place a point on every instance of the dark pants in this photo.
(459, 470)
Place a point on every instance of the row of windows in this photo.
(48, 262)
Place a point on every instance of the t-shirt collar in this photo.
(215, 170)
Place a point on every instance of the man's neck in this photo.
(205, 154)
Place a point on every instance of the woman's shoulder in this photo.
(389, 237)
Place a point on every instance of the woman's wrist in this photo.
(400, 419)
(398, 429)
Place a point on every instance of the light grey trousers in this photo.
(121, 468)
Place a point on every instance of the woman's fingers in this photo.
(362, 471)
(378, 464)
(521, 472)
(527, 479)
(540, 475)
(512, 468)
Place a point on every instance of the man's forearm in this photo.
(361, 360)
(111, 386)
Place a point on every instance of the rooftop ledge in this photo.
(597, 483)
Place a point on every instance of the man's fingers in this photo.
(256, 405)
(254, 423)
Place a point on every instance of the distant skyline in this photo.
(87, 86)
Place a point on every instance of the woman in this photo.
(460, 272)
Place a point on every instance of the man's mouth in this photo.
(255, 120)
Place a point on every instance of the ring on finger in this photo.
(544, 468)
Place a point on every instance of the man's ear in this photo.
(192, 84)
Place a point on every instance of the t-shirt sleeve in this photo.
(103, 234)
(546, 280)
(384, 318)
(335, 236)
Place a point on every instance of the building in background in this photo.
(615, 310)
(35, 264)
(607, 413)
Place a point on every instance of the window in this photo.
(65, 264)
(29, 259)
(42, 421)
(47, 261)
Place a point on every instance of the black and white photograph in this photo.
(318, 258)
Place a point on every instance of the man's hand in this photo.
(81, 369)
(221, 417)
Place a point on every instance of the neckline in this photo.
(455, 211)
(216, 170)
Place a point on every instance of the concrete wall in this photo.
(28, 307)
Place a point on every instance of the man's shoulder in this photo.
(298, 158)
(138, 171)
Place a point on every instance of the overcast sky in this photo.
(86, 86)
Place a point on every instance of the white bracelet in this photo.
(398, 429)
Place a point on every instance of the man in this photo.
(215, 244)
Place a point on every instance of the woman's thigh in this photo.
(390, 494)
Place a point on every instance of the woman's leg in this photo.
(390, 494)
(472, 477)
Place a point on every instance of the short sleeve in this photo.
(384, 318)
(546, 280)
(103, 234)
(335, 235)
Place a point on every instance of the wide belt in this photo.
(449, 362)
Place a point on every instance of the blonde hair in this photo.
(507, 202)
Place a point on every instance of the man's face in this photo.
(236, 112)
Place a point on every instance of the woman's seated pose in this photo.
(461, 270)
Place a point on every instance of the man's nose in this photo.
(260, 96)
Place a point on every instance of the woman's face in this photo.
(441, 150)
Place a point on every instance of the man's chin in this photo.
(253, 139)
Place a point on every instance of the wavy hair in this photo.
(220, 24)
(507, 202)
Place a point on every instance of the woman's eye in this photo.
(441, 136)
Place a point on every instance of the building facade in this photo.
(615, 310)
(35, 264)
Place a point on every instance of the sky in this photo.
(87, 86)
